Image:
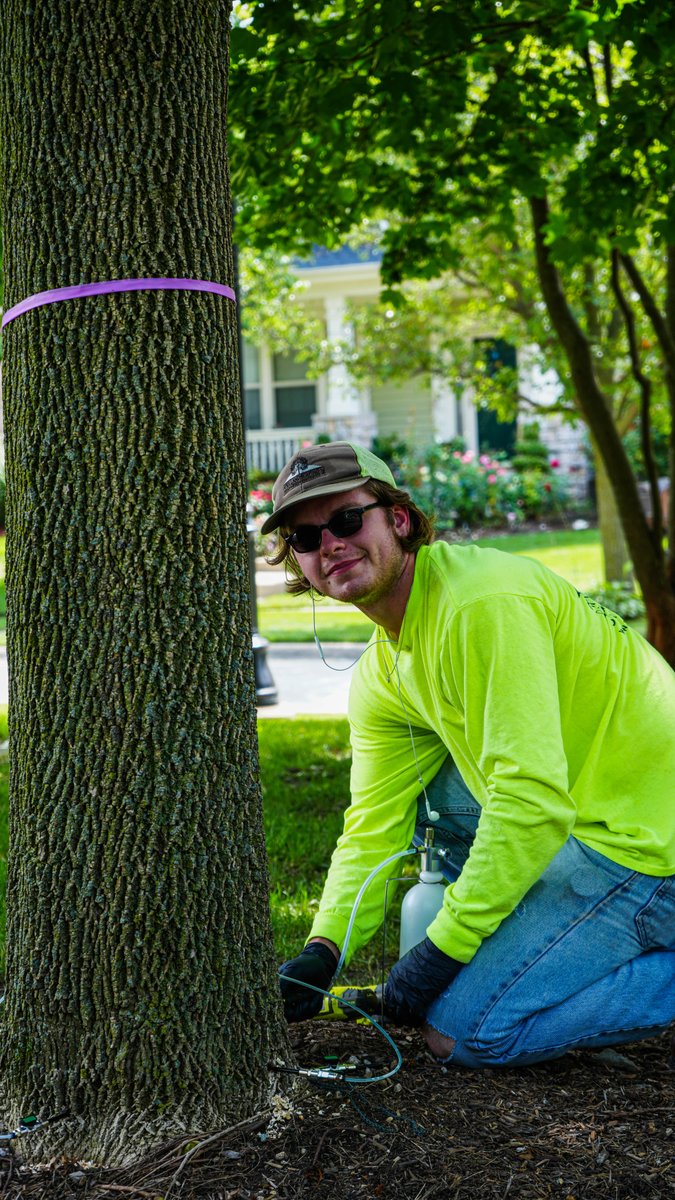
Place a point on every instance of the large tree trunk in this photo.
(141, 986)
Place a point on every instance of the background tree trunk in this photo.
(614, 549)
(647, 555)
(141, 984)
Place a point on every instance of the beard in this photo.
(376, 575)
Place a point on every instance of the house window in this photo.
(294, 395)
(250, 369)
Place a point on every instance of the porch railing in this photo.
(269, 449)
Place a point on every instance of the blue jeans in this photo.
(586, 959)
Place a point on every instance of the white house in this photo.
(285, 408)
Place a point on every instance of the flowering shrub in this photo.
(459, 487)
(260, 501)
(462, 488)
(541, 495)
(260, 506)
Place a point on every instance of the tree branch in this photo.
(645, 386)
(607, 68)
(588, 63)
(670, 323)
(590, 307)
(664, 333)
(558, 406)
(614, 324)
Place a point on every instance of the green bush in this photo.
(540, 495)
(529, 453)
(392, 450)
(620, 597)
(633, 446)
(463, 489)
(260, 501)
(260, 479)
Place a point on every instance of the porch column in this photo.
(444, 409)
(468, 419)
(347, 412)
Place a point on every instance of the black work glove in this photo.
(315, 964)
(417, 979)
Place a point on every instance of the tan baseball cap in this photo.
(323, 471)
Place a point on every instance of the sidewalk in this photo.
(303, 683)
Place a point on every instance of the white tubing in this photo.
(355, 907)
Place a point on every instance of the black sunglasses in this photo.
(306, 538)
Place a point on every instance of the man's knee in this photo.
(440, 1045)
(476, 1055)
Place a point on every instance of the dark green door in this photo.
(493, 434)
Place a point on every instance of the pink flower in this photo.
(492, 478)
(554, 462)
(485, 460)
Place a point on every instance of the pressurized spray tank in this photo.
(422, 901)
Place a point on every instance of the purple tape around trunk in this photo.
(79, 290)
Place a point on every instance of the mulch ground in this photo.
(588, 1126)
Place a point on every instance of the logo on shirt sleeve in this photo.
(613, 618)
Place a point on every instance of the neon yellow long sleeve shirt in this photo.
(560, 719)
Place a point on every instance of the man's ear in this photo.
(401, 519)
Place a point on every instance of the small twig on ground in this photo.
(251, 1124)
(317, 1152)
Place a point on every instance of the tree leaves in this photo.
(390, 105)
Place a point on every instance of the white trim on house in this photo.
(417, 410)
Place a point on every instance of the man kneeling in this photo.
(536, 733)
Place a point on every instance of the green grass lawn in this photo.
(289, 619)
(576, 556)
(305, 765)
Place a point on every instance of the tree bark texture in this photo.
(141, 983)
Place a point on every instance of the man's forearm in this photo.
(326, 942)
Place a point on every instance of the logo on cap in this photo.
(301, 474)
